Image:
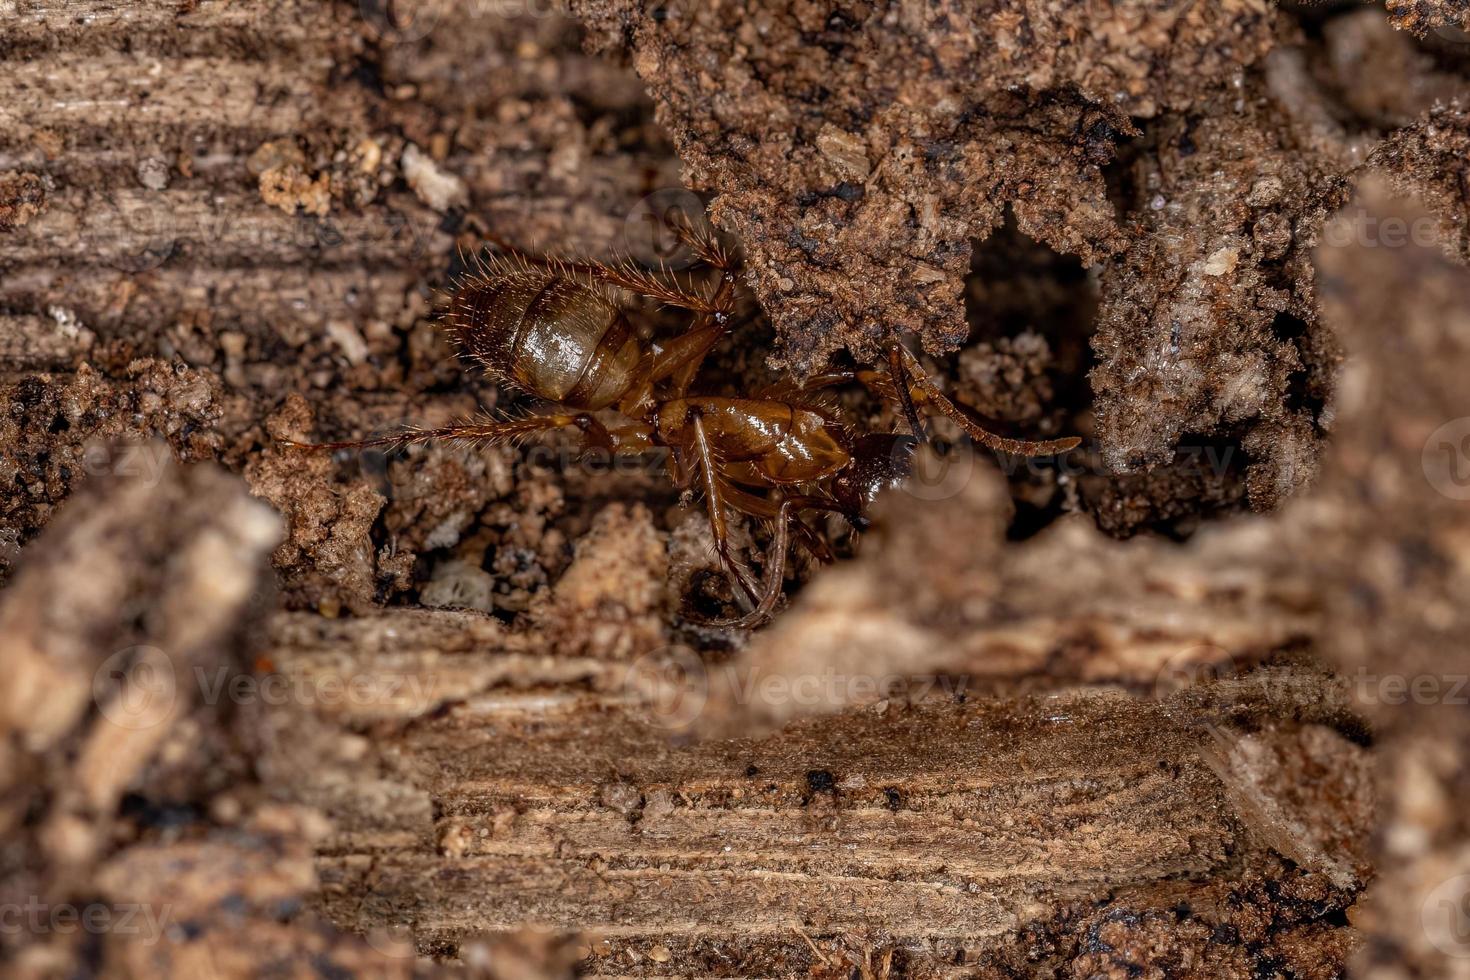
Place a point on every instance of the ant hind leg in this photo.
(623, 275)
(484, 430)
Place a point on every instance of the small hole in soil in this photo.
(1031, 312)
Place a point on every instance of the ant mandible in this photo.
(548, 328)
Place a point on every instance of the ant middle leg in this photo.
(678, 360)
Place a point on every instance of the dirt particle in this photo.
(153, 173)
(22, 197)
(820, 781)
(437, 188)
(845, 152)
(621, 797)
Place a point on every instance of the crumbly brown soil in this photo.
(1069, 718)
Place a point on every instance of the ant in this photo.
(547, 327)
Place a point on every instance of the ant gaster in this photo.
(547, 327)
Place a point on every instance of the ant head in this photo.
(880, 461)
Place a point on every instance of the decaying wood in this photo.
(954, 754)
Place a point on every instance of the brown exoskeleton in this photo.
(548, 328)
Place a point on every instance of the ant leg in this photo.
(775, 578)
(929, 392)
(905, 397)
(766, 509)
(714, 495)
(679, 357)
(783, 390)
(703, 244)
(484, 430)
(623, 275)
(776, 562)
(813, 543)
(707, 332)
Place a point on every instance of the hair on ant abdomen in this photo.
(550, 329)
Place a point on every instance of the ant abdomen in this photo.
(551, 335)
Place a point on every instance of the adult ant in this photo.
(548, 328)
